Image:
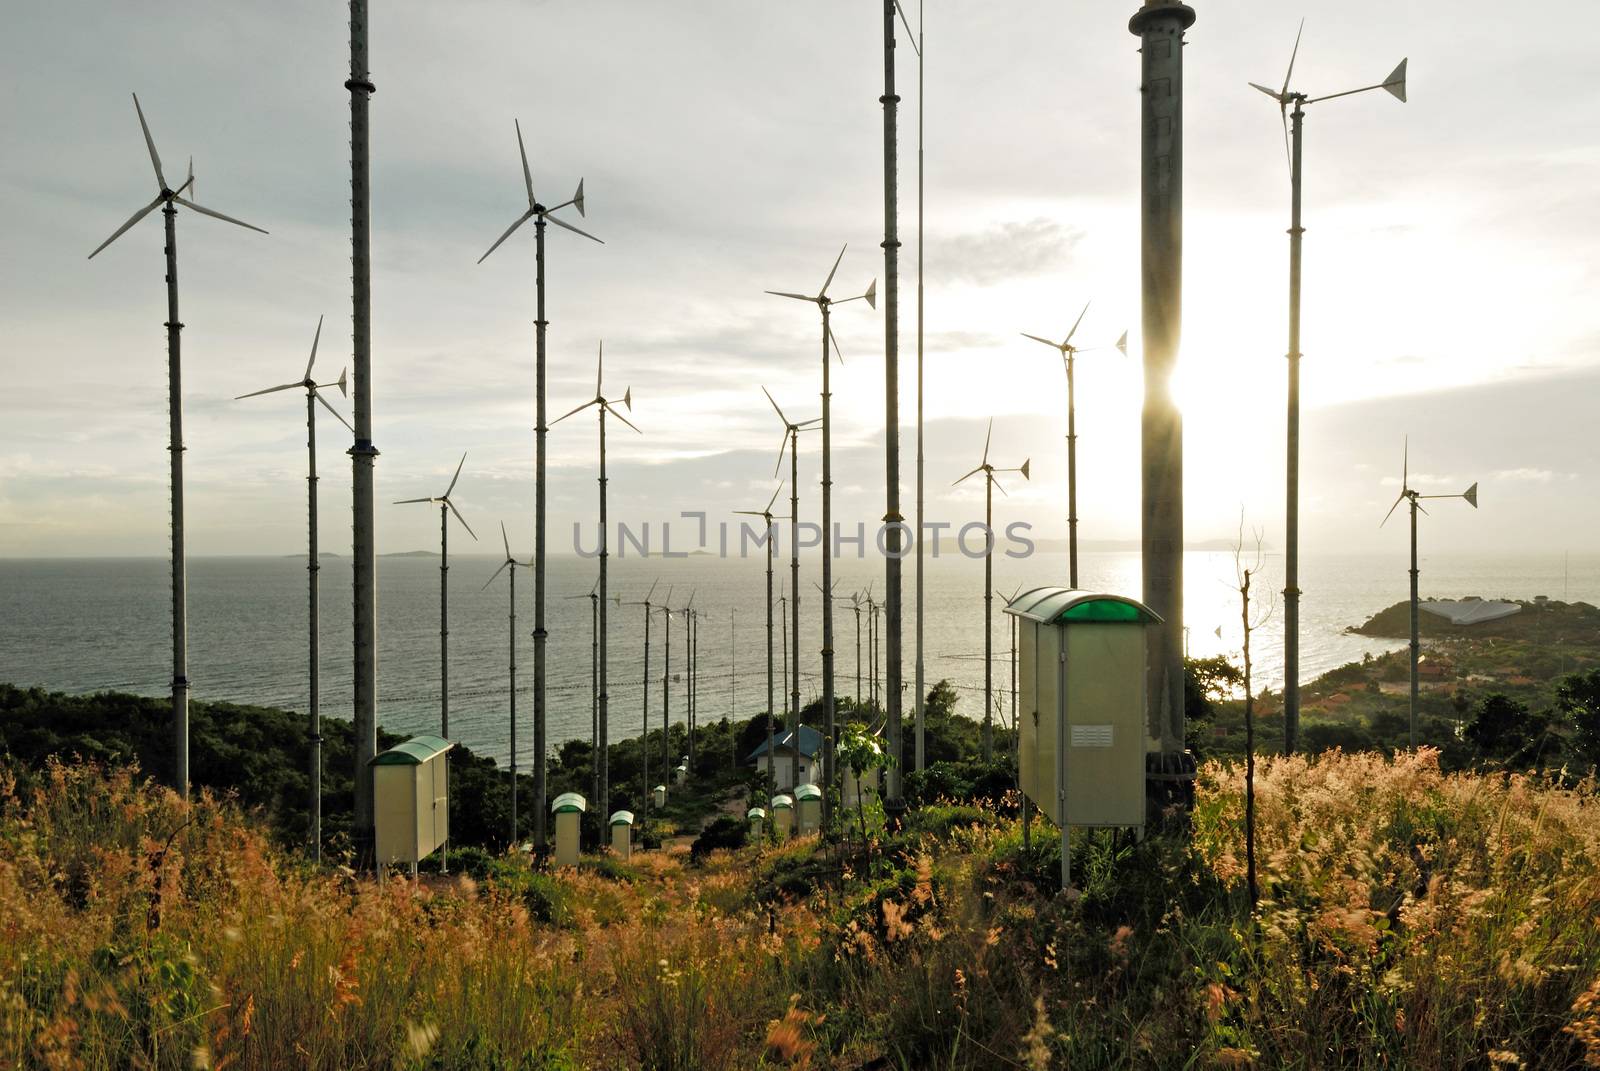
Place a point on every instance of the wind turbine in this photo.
(1395, 85)
(791, 443)
(825, 305)
(540, 215)
(446, 507)
(168, 199)
(989, 485)
(509, 567)
(313, 568)
(1069, 354)
(644, 719)
(602, 407)
(1415, 499)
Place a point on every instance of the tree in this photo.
(1506, 730)
(1578, 701)
(861, 752)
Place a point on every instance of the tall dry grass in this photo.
(1410, 919)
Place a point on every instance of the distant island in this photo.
(410, 554)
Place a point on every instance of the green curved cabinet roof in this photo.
(622, 818)
(413, 752)
(808, 792)
(569, 802)
(756, 812)
(782, 803)
(1070, 606)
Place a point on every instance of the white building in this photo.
(791, 765)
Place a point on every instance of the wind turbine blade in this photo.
(1292, 55)
(1392, 508)
(619, 416)
(269, 390)
(968, 476)
(1122, 344)
(986, 437)
(456, 477)
(784, 293)
(1076, 322)
(506, 540)
(1288, 153)
(565, 415)
(805, 425)
(316, 338)
(995, 483)
(495, 576)
(1396, 82)
(1471, 495)
(1273, 93)
(188, 181)
(903, 21)
(779, 489)
(527, 175)
(462, 519)
(1036, 338)
(1419, 508)
(837, 352)
(408, 501)
(775, 406)
(600, 369)
(150, 143)
(652, 590)
(336, 414)
(120, 231)
(824, 291)
(217, 215)
(1405, 465)
(784, 445)
(562, 223)
(520, 221)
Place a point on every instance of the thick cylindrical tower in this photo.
(1160, 25)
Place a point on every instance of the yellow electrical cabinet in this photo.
(1081, 705)
(410, 783)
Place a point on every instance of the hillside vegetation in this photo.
(1411, 918)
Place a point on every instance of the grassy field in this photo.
(1410, 919)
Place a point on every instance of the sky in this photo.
(729, 149)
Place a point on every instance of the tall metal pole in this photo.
(771, 742)
(180, 597)
(827, 578)
(1416, 636)
(594, 697)
(444, 622)
(920, 697)
(363, 454)
(511, 641)
(313, 569)
(784, 647)
(891, 410)
(604, 759)
(1291, 554)
(540, 741)
(1160, 25)
(988, 619)
(666, 680)
(859, 697)
(1072, 473)
(688, 683)
(644, 717)
(794, 553)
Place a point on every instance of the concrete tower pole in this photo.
(180, 585)
(827, 577)
(1291, 531)
(363, 454)
(313, 569)
(1160, 26)
(794, 557)
(444, 622)
(920, 698)
(540, 635)
(511, 633)
(891, 426)
(603, 712)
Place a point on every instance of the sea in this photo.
(87, 625)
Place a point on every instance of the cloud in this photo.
(1524, 476)
(1004, 251)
